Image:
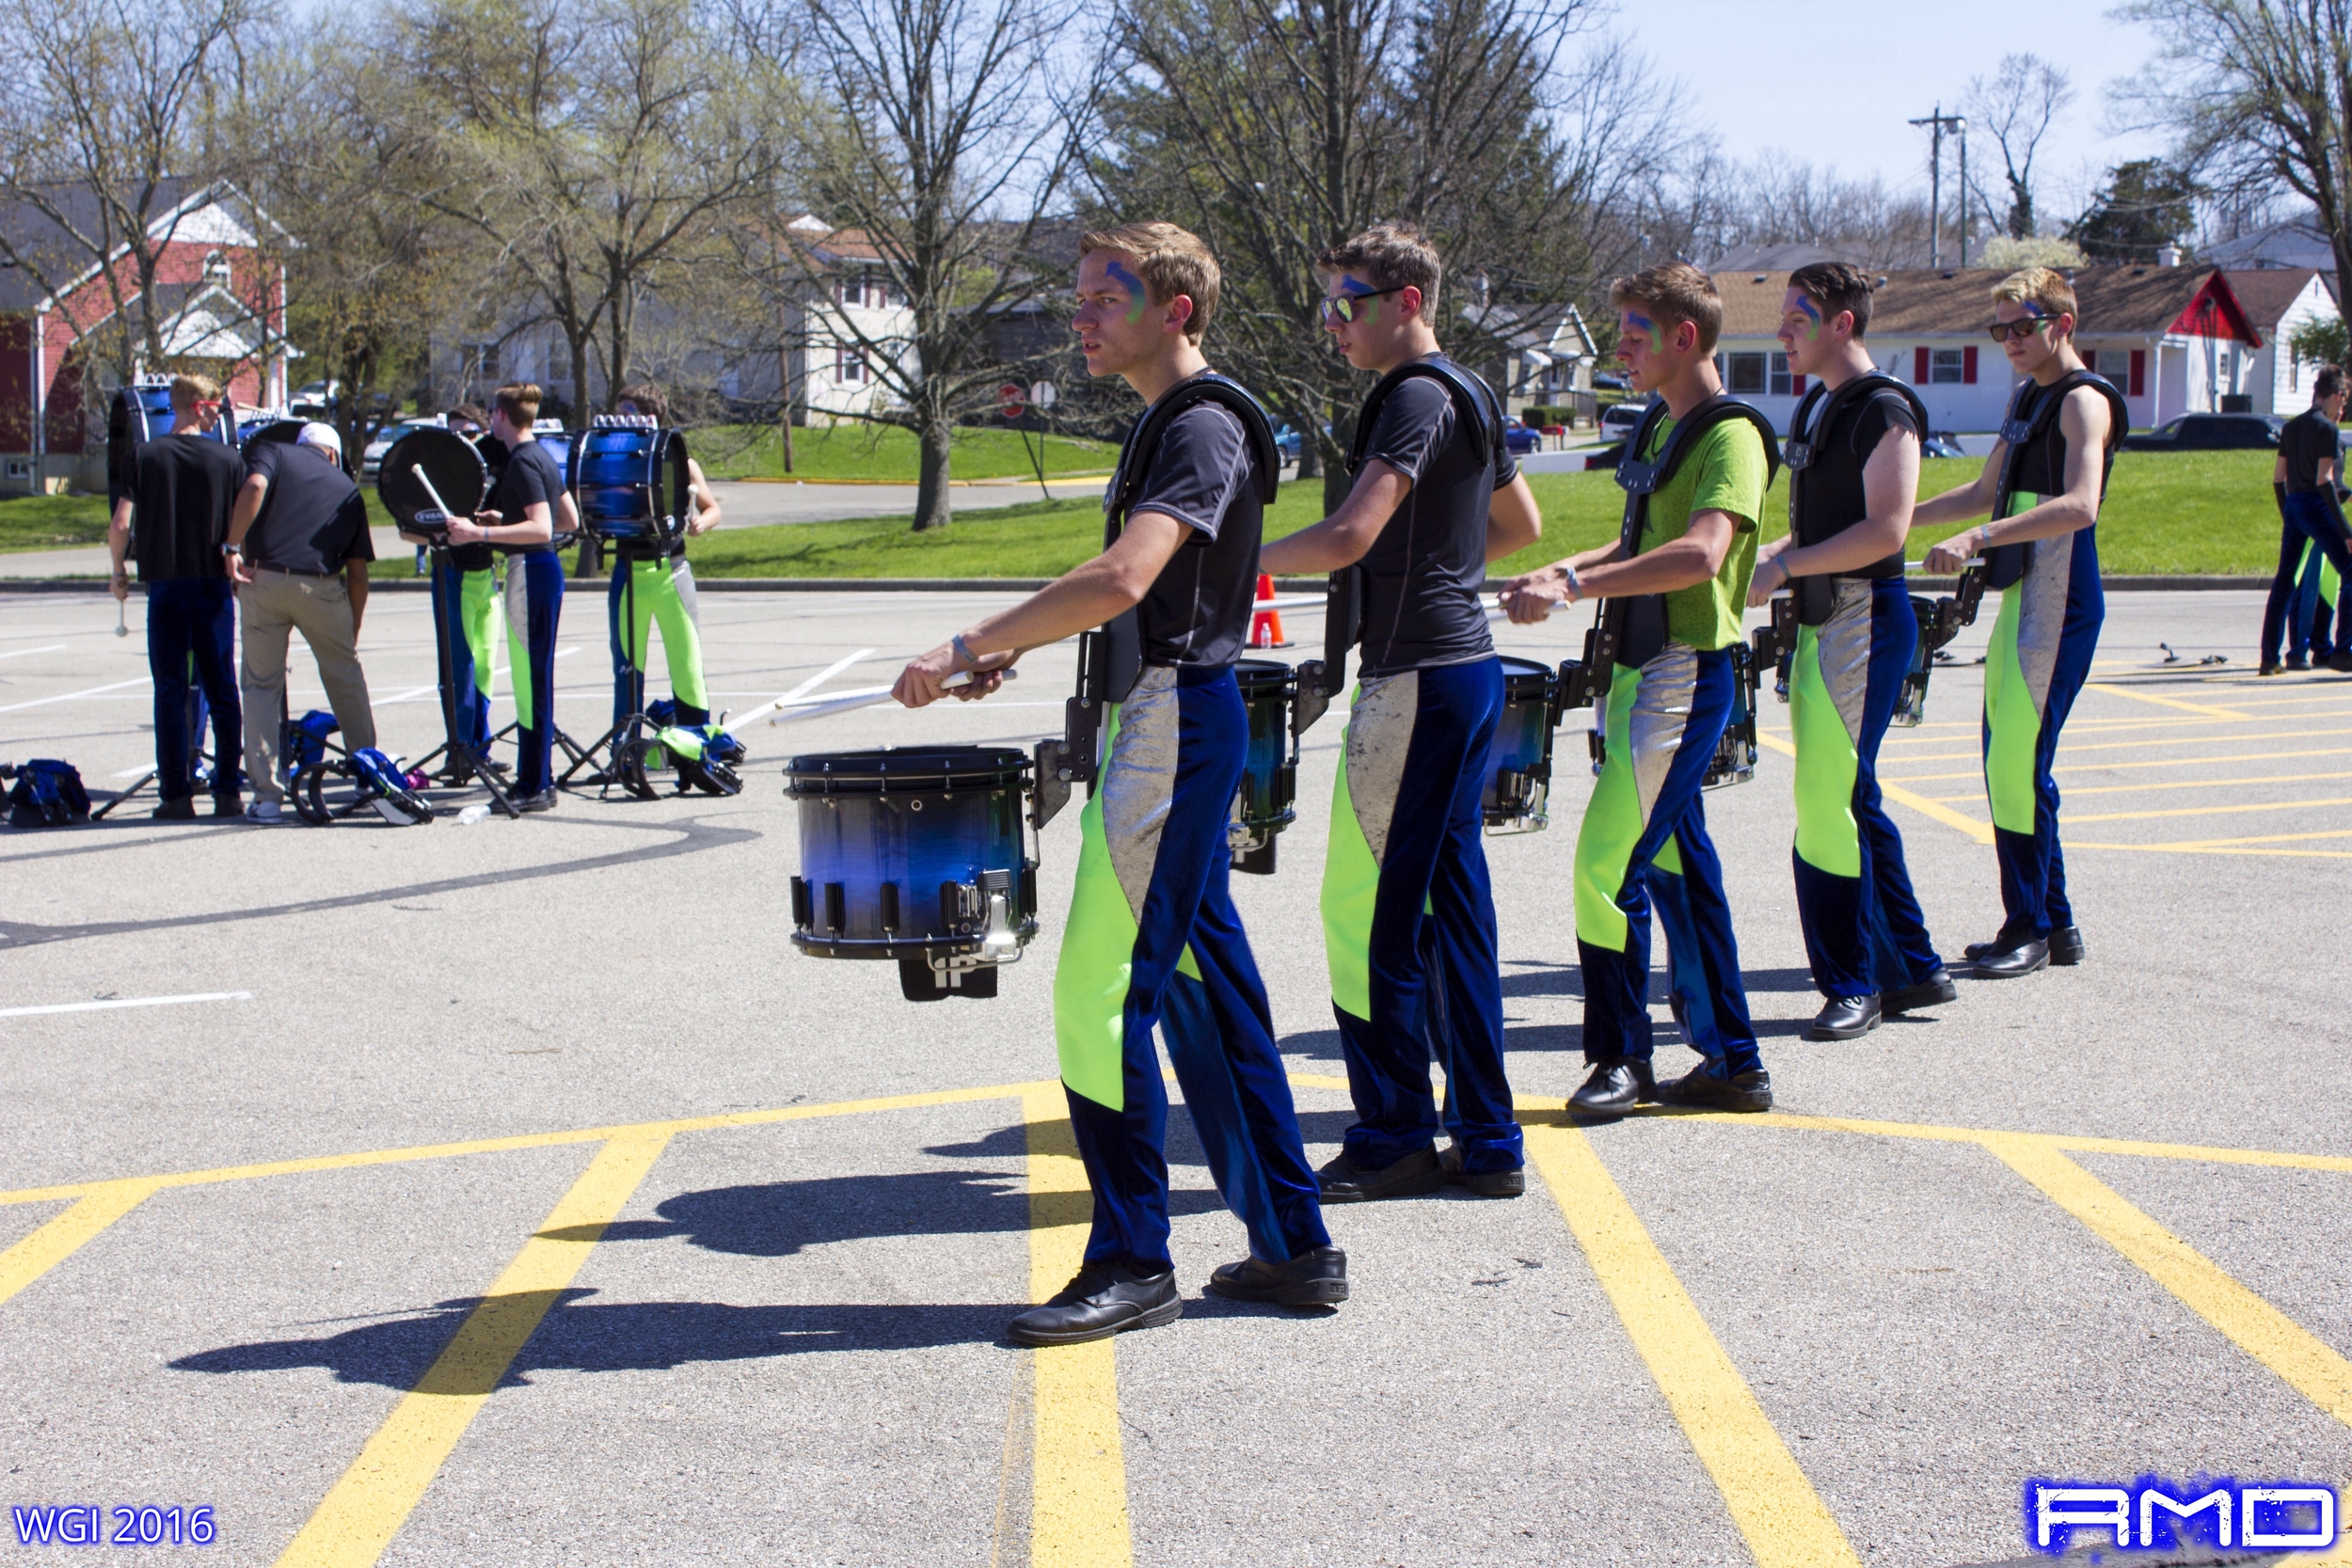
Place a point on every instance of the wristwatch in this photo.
(962, 652)
(232, 549)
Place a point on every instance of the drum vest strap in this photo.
(1808, 443)
(2034, 459)
(1633, 631)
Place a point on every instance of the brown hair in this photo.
(519, 401)
(2039, 285)
(2328, 383)
(471, 413)
(1170, 260)
(1835, 286)
(1391, 256)
(648, 400)
(1678, 292)
(189, 390)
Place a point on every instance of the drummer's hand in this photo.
(702, 523)
(1948, 557)
(470, 530)
(1771, 576)
(1532, 599)
(920, 683)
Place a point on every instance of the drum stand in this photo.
(626, 736)
(463, 760)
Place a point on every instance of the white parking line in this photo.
(129, 1002)
(69, 696)
(19, 653)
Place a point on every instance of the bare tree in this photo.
(2260, 94)
(1779, 200)
(2015, 107)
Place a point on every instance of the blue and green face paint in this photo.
(1372, 311)
(1635, 322)
(1135, 290)
(1813, 318)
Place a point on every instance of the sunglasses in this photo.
(2023, 326)
(1342, 308)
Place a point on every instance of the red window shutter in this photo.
(1968, 365)
(2091, 360)
(1920, 367)
(2139, 371)
(1796, 386)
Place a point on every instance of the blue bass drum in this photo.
(1269, 777)
(629, 481)
(1518, 763)
(916, 854)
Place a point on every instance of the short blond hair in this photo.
(1675, 291)
(189, 390)
(2039, 285)
(1170, 260)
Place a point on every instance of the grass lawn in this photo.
(886, 453)
(52, 522)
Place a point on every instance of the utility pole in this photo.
(1938, 123)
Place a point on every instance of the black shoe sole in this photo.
(1159, 1317)
(1979, 972)
(1933, 994)
(1608, 1113)
(1491, 1183)
(1412, 1186)
(1815, 1032)
(1310, 1292)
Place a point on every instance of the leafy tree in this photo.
(2323, 342)
(2145, 205)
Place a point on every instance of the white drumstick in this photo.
(1917, 566)
(418, 469)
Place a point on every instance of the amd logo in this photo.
(2296, 1515)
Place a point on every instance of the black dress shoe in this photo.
(1748, 1091)
(1316, 1278)
(2295, 661)
(228, 805)
(1846, 1017)
(1099, 1303)
(2339, 663)
(1480, 1183)
(543, 801)
(2066, 946)
(181, 810)
(2008, 963)
(1936, 987)
(1415, 1176)
(1614, 1087)
(2269, 669)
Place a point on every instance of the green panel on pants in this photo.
(1613, 825)
(653, 593)
(1351, 886)
(2013, 722)
(483, 618)
(1827, 764)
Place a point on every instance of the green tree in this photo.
(2323, 342)
(2145, 205)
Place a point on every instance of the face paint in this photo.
(1636, 321)
(1372, 311)
(1134, 286)
(1813, 313)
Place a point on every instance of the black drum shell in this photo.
(1911, 703)
(453, 463)
(1269, 779)
(276, 433)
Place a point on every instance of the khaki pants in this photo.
(275, 604)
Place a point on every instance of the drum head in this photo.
(1261, 676)
(895, 769)
(1525, 681)
(456, 470)
(277, 432)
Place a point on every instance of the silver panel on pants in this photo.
(1139, 781)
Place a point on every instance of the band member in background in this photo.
(2305, 478)
(184, 487)
(1407, 907)
(1645, 836)
(531, 493)
(2043, 485)
(468, 621)
(655, 582)
(1853, 460)
(298, 549)
(1154, 939)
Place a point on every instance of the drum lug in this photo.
(1049, 791)
(1310, 702)
(1000, 941)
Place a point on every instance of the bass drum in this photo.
(1269, 775)
(1518, 762)
(630, 483)
(276, 433)
(429, 462)
(138, 414)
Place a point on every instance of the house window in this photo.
(1747, 371)
(1780, 376)
(1946, 365)
(216, 267)
(849, 365)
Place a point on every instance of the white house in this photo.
(2277, 300)
(837, 336)
(1546, 357)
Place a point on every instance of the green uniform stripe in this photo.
(2013, 721)
(482, 619)
(1613, 824)
(1827, 764)
(652, 594)
(1351, 886)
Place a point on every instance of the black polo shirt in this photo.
(1422, 575)
(312, 518)
(2308, 439)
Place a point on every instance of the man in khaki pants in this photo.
(298, 549)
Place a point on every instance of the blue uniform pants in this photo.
(534, 605)
(192, 641)
(2311, 519)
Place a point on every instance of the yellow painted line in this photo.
(374, 1497)
(1980, 831)
(1784, 1519)
(54, 1242)
(2077, 818)
(1078, 1509)
(2177, 784)
(2070, 746)
(2233, 846)
(1977, 772)
(1319, 1081)
(535, 1140)
(2269, 1335)
(2203, 709)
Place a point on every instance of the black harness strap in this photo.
(1632, 631)
(1806, 442)
(2032, 415)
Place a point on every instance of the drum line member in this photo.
(530, 488)
(1853, 475)
(2304, 480)
(1682, 566)
(298, 550)
(468, 621)
(655, 582)
(184, 486)
(2043, 485)
(1152, 936)
(2312, 613)
(1409, 910)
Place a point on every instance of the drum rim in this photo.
(387, 473)
(802, 777)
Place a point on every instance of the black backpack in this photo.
(47, 794)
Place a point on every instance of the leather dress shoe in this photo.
(2066, 946)
(2341, 663)
(1101, 1301)
(1614, 1087)
(2295, 661)
(2269, 669)
(181, 810)
(1936, 987)
(1989, 962)
(543, 800)
(1480, 1183)
(1416, 1174)
(1746, 1091)
(1314, 1279)
(1846, 1017)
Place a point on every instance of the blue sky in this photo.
(1893, 60)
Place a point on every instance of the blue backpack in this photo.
(47, 794)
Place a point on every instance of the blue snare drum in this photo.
(1518, 763)
(1734, 762)
(1269, 777)
(1910, 704)
(629, 481)
(918, 854)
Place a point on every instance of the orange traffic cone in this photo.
(1265, 626)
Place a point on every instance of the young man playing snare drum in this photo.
(1154, 939)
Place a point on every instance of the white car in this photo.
(1621, 419)
(372, 459)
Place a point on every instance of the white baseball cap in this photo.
(317, 434)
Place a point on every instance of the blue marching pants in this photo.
(534, 605)
(461, 620)
(1153, 941)
(2319, 604)
(192, 642)
(2034, 668)
(1644, 842)
(1864, 934)
(2310, 519)
(1408, 920)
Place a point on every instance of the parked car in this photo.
(2209, 432)
(1620, 419)
(1941, 443)
(372, 459)
(1609, 383)
(1521, 437)
(1288, 442)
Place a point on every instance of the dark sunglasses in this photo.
(1342, 308)
(2023, 326)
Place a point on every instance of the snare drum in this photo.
(1734, 762)
(1911, 703)
(1518, 762)
(453, 468)
(918, 854)
(1269, 777)
(630, 483)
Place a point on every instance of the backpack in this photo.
(47, 794)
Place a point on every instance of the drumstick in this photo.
(1921, 566)
(418, 469)
(825, 704)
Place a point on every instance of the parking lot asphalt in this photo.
(514, 1192)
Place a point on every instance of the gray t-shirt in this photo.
(1421, 575)
(1203, 475)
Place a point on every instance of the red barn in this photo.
(218, 296)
